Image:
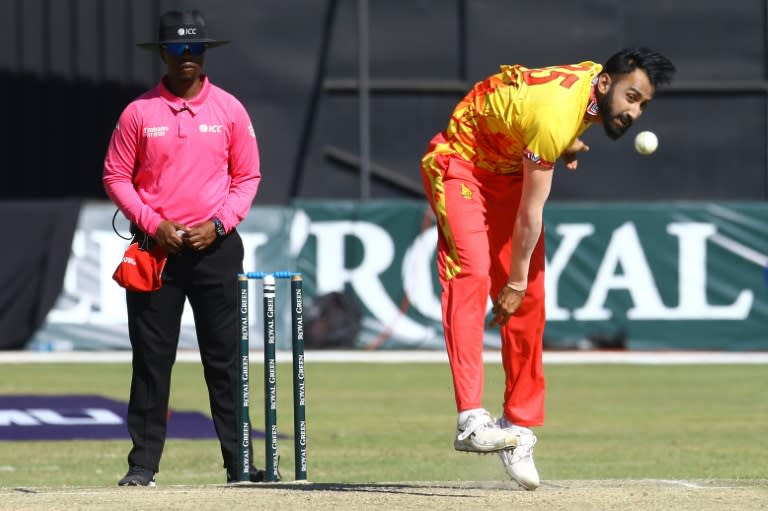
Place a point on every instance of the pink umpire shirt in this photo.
(183, 160)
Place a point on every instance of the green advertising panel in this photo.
(641, 276)
(638, 276)
(667, 275)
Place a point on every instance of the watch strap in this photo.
(220, 230)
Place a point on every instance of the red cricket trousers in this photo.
(476, 211)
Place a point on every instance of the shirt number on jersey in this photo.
(548, 74)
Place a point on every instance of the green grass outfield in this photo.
(370, 422)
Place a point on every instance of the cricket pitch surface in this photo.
(571, 495)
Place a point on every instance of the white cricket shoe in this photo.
(480, 433)
(518, 461)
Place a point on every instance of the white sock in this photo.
(463, 416)
(505, 423)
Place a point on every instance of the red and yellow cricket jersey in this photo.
(471, 175)
(522, 113)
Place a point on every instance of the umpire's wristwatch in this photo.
(220, 231)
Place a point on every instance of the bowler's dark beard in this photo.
(613, 130)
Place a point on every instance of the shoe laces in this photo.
(523, 451)
(526, 440)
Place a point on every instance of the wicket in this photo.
(270, 377)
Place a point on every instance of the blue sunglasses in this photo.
(178, 49)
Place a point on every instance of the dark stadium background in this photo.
(68, 67)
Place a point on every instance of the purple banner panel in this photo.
(25, 417)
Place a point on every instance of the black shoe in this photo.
(138, 476)
(256, 475)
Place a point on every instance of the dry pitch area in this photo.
(571, 495)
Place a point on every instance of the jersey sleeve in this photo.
(553, 108)
(119, 164)
(548, 133)
(244, 168)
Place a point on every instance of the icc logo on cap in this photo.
(187, 31)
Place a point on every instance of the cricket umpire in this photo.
(183, 167)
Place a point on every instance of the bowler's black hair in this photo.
(658, 67)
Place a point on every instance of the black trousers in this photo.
(209, 280)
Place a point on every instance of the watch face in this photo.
(220, 231)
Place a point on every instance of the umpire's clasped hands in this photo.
(173, 236)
